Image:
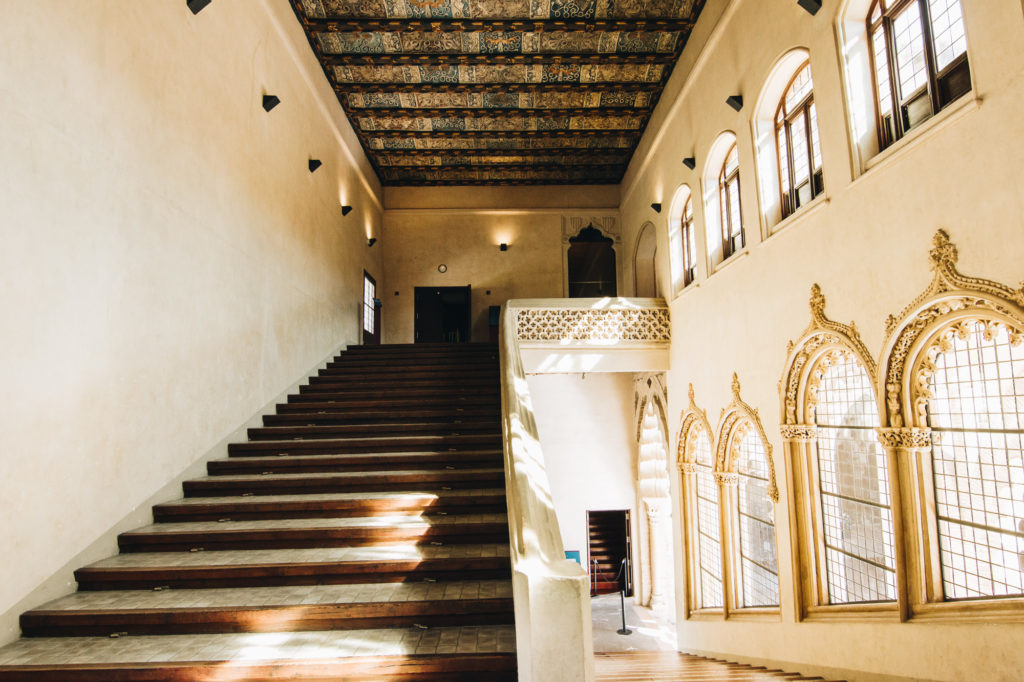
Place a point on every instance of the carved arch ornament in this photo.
(650, 388)
(822, 344)
(923, 330)
(689, 427)
(734, 423)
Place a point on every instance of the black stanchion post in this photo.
(622, 598)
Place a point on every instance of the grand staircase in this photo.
(361, 533)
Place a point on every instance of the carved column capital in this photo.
(687, 467)
(726, 478)
(905, 438)
(799, 433)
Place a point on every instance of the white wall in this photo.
(586, 428)
(462, 227)
(866, 244)
(168, 264)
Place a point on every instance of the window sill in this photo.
(802, 214)
(734, 258)
(1007, 610)
(767, 615)
(914, 138)
(706, 614)
(861, 613)
(685, 290)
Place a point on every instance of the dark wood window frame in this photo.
(941, 87)
(729, 183)
(784, 120)
(689, 244)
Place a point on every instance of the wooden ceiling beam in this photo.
(483, 112)
(483, 88)
(356, 25)
(463, 59)
(498, 134)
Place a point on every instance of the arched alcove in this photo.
(591, 264)
(645, 278)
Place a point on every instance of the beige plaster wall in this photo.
(168, 264)
(462, 227)
(587, 434)
(866, 243)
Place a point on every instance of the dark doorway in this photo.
(608, 543)
(371, 310)
(442, 314)
(591, 262)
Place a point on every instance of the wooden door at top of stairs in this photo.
(608, 543)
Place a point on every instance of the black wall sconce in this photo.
(503, 247)
(812, 6)
(270, 101)
(197, 5)
(345, 210)
(690, 162)
(656, 207)
(371, 241)
(314, 164)
(735, 101)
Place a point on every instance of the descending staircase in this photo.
(360, 533)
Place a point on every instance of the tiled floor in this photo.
(260, 646)
(649, 632)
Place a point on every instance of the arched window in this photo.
(919, 55)
(682, 239)
(976, 414)
(722, 205)
(953, 365)
(846, 528)
(749, 494)
(759, 566)
(701, 516)
(729, 203)
(798, 147)
(856, 524)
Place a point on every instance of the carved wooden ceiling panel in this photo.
(498, 92)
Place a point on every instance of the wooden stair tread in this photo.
(408, 520)
(277, 557)
(278, 596)
(253, 647)
(414, 496)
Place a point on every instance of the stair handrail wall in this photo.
(551, 594)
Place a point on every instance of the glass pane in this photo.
(369, 291)
(783, 159)
(947, 31)
(882, 72)
(860, 556)
(815, 142)
(908, 40)
(735, 219)
(976, 414)
(757, 526)
(676, 250)
(732, 161)
(801, 87)
(801, 158)
(690, 255)
(708, 537)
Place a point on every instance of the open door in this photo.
(442, 315)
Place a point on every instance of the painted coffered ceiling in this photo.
(498, 92)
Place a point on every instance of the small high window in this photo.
(729, 202)
(919, 54)
(797, 144)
